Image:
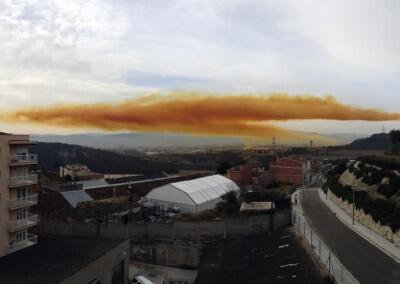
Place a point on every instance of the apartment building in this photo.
(16, 179)
(291, 170)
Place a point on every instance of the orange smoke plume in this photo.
(206, 114)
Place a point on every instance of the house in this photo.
(241, 175)
(289, 170)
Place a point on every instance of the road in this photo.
(366, 262)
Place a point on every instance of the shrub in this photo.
(394, 181)
(387, 190)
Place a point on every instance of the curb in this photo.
(364, 236)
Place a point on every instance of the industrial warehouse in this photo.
(192, 196)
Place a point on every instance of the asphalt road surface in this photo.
(367, 263)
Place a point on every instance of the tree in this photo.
(395, 139)
(229, 204)
(223, 167)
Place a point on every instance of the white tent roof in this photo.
(207, 188)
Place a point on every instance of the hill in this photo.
(54, 155)
(380, 141)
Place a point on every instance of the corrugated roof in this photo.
(207, 188)
(75, 197)
(96, 183)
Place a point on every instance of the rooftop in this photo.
(256, 206)
(52, 260)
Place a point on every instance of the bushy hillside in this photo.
(54, 155)
(380, 195)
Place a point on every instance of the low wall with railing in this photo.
(190, 231)
(321, 251)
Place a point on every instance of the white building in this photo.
(193, 196)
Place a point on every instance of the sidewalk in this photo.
(378, 241)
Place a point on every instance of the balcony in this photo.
(18, 225)
(25, 201)
(29, 241)
(23, 159)
(23, 180)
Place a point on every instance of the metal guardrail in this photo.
(24, 159)
(23, 180)
(29, 200)
(326, 257)
(29, 241)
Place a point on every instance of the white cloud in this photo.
(55, 51)
(363, 33)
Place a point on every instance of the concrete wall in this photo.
(189, 231)
(102, 268)
(167, 253)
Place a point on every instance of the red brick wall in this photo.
(287, 170)
(241, 176)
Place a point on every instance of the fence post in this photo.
(329, 263)
(299, 225)
(319, 248)
(173, 230)
(167, 256)
(341, 272)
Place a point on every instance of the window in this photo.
(20, 237)
(21, 193)
(22, 214)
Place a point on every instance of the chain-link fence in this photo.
(332, 264)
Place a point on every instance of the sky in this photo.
(62, 52)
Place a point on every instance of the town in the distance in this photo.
(205, 214)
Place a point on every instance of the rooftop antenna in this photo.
(383, 129)
(273, 142)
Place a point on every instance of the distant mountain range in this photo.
(137, 141)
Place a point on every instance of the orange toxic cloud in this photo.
(205, 114)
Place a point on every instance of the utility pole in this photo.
(353, 206)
